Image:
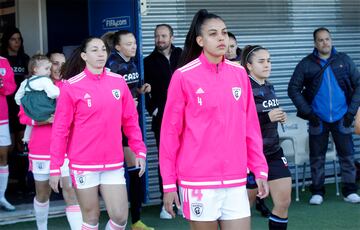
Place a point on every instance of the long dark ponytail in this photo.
(75, 64)
(191, 48)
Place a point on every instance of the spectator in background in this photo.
(233, 52)
(325, 88)
(7, 86)
(158, 68)
(12, 48)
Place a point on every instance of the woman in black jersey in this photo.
(12, 48)
(121, 61)
(233, 53)
(256, 61)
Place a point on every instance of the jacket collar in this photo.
(94, 76)
(257, 82)
(119, 55)
(316, 53)
(157, 52)
(211, 66)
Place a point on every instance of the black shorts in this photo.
(278, 168)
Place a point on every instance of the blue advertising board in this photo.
(111, 15)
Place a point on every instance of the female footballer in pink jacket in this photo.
(39, 158)
(210, 133)
(95, 105)
(7, 87)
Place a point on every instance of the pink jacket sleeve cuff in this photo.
(55, 172)
(261, 175)
(169, 188)
(141, 155)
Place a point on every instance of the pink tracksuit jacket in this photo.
(9, 86)
(210, 132)
(39, 144)
(90, 112)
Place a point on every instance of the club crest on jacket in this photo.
(116, 93)
(236, 92)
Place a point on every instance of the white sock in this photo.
(74, 217)
(111, 225)
(4, 175)
(41, 214)
(86, 226)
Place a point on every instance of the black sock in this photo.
(277, 223)
(135, 194)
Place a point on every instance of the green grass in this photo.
(333, 214)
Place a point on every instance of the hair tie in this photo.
(251, 51)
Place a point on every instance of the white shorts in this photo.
(41, 169)
(215, 204)
(5, 139)
(88, 179)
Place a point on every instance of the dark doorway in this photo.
(67, 22)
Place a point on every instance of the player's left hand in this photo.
(141, 163)
(263, 188)
(145, 88)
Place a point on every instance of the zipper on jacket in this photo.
(219, 105)
(102, 105)
(330, 94)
